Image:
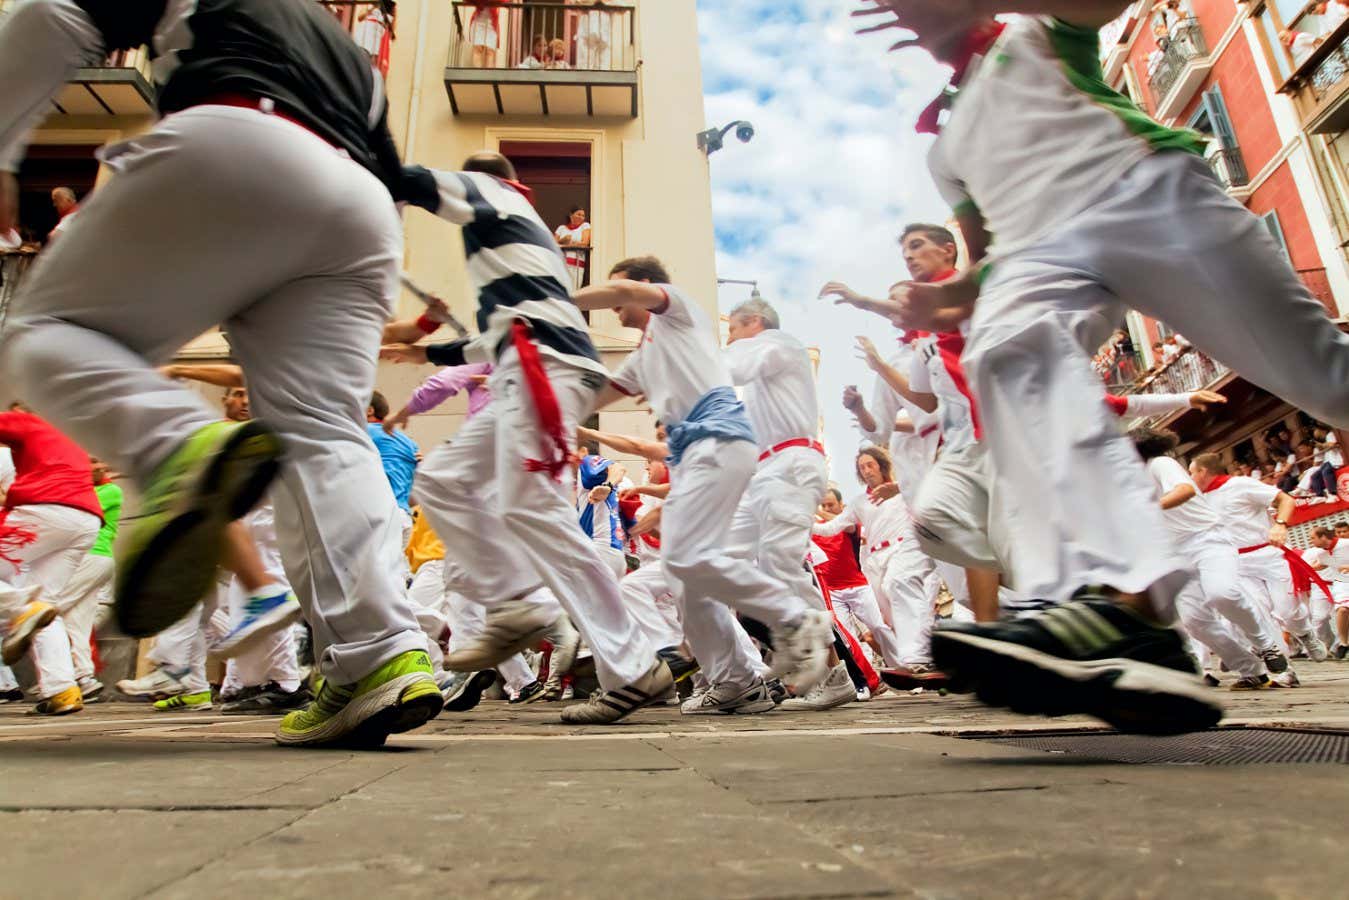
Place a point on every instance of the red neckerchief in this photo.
(976, 43)
(1333, 542)
(1217, 482)
(911, 335)
(529, 195)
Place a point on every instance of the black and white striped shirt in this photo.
(517, 270)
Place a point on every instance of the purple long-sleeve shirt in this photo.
(446, 383)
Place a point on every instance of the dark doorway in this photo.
(49, 166)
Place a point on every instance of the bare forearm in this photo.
(900, 384)
(619, 293)
(404, 331)
(865, 420)
(223, 376)
(652, 450)
(1177, 496)
(1287, 506)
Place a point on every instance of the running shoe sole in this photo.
(400, 704)
(17, 642)
(902, 682)
(269, 623)
(470, 692)
(177, 566)
(1132, 696)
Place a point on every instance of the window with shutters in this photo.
(1271, 220)
(1224, 154)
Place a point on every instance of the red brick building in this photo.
(1265, 82)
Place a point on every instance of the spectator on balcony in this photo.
(575, 232)
(373, 32)
(1299, 44)
(557, 55)
(66, 205)
(538, 57)
(10, 240)
(484, 30)
(594, 36)
(1330, 15)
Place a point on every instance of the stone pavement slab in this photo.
(885, 799)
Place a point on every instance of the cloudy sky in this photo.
(834, 171)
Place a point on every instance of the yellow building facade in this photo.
(607, 121)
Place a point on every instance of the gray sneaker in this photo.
(1275, 661)
(730, 699)
(607, 707)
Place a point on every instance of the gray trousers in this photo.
(230, 216)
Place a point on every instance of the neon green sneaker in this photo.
(170, 558)
(398, 696)
(184, 702)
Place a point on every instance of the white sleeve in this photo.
(42, 43)
(677, 307)
(7, 473)
(839, 524)
(920, 380)
(755, 358)
(1168, 474)
(884, 408)
(1141, 406)
(625, 379)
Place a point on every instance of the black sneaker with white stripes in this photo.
(1091, 656)
(606, 707)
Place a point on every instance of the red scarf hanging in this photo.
(555, 452)
(976, 43)
(1301, 571)
(1217, 482)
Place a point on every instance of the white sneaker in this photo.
(158, 685)
(510, 627)
(836, 690)
(801, 650)
(729, 699)
(1315, 648)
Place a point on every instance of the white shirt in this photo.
(7, 472)
(1303, 46)
(1318, 556)
(577, 235)
(369, 33)
(887, 521)
(779, 386)
(887, 405)
(677, 361)
(1027, 147)
(600, 531)
(1193, 518)
(1244, 505)
(936, 370)
(1332, 452)
(10, 240)
(1336, 13)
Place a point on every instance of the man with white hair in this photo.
(772, 525)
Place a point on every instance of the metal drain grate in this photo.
(1229, 747)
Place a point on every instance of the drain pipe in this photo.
(414, 101)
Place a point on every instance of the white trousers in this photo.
(860, 603)
(648, 597)
(303, 278)
(1265, 577)
(706, 490)
(951, 515)
(1167, 241)
(1216, 563)
(1201, 621)
(89, 587)
(182, 648)
(513, 530)
(431, 603)
(772, 524)
(899, 575)
(62, 537)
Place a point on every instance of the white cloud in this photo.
(833, 173)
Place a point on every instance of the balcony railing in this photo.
(1184, 45)
(13, 265)
(578, 266)
(1230, 167)
(549, 59)
(370, 28)
(1192, 370)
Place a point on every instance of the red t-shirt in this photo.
(841, 571)
(49, 467)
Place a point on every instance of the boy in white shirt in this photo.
(713, 456)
